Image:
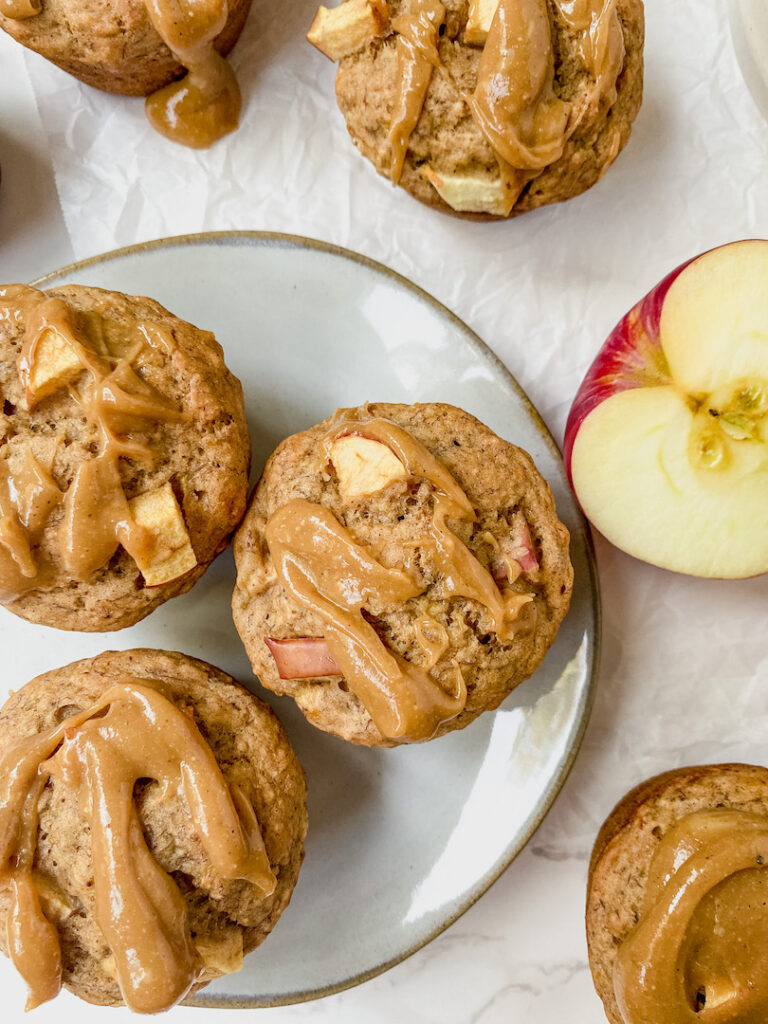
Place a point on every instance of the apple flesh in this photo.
(666, 444)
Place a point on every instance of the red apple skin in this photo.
(632, 357)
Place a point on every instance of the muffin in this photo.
(140, 899)
(487, 109)
(400, 569)
(677, 925)
(135, 47)
(124, 455)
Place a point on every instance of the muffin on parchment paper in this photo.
(677, 903)
(124, 455)
(487, 108)
(140, 47)
(152, 828)
(400, 570)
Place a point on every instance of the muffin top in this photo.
(676, 918)
(124, 455)
(487, 108)
(190, 873)
(400, 570)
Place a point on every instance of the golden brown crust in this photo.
(205, 458)
(253, 752)
(498, 478)
(111, 44)
(626, 843)
(447, 137)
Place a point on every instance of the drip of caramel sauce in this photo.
(697, 955)
(96, 517)
(417, 56)
(138, 906)
(205, 105)
(326, 571)
(514, 103)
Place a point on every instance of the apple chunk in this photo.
(340, 31)
(471, 193)
(55, 363)
(169, 553)
(364, 466)
(667, 441)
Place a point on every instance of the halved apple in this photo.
(170, 553)
(666, 443)
(364, 466)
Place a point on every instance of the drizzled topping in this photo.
(326, 570)
(417, 56)
(514, 103)
(137, 906)
(96, 516)
(698, 952)
(204, 105)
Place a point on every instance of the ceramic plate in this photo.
(401, 842)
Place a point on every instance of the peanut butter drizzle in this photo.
(19, 9)
(205, 105)
(138, 907)
(96, 517)
(697, 955)
(417, 56)
(432, 637)
(318, 561)
(463, 575)
(601, 40)
(514, 103)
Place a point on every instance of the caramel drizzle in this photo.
(417, 56)
(96, 517)
(326, 571)
(203, 106)
(697, 955)
(138, 906)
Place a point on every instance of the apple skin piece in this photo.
(666, 444)
(302, 657)
(171, 554)
(364, 466)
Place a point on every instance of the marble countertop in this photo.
(683, 673)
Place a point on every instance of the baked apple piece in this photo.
(666, 443)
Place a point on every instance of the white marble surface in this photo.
(684, 669)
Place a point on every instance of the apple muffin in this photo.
(677, 918)
(124, 455)
(400, 569)
(487, 108)
(141, 48)
(152, 828)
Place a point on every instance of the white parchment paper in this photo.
(685, 669)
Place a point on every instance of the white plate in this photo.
(401, 842)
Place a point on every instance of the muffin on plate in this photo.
(124, 455)
(400, 569)
(152, 830)
(677, 904)
(487, 108)
(138, 47)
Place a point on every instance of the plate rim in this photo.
(289, 240)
